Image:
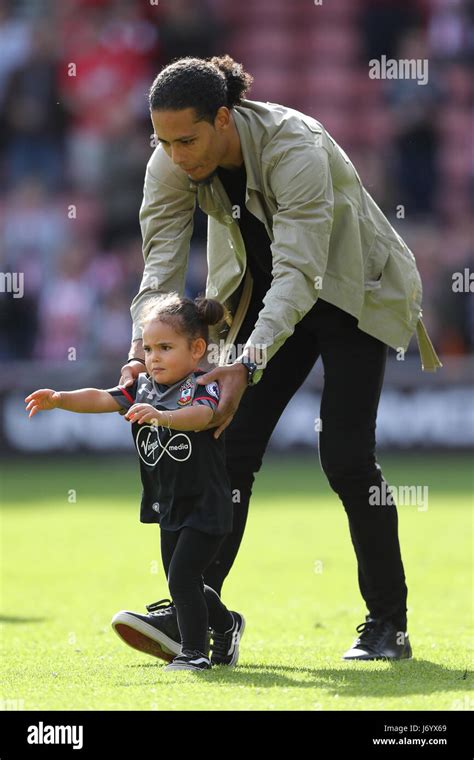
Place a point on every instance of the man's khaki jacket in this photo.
(328, 237)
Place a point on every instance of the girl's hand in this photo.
(42, 400)
(143, 413)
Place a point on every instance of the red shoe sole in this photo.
(141, 642)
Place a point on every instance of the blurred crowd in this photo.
(75, 137)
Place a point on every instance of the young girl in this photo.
(185, 483)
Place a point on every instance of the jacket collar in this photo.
(247, 145)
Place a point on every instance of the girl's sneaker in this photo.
(190, 660)
(156, 633)
(225, 646)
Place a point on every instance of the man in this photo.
(309, 267)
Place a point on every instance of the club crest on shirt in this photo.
(185, 392)
(185, 396)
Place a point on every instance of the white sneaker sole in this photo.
(184, 666)
(144, 637)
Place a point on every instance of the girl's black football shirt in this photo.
(183, 473)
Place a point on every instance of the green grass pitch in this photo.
(74, 553)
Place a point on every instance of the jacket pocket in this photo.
(375, 263)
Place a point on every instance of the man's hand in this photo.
(130, 371)
(233, 381)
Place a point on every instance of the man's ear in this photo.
(222, 118)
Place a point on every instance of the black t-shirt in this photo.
(183, 473)
(257, 247)
(253, 231)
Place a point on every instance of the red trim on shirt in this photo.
(127, 394)
(208, 397)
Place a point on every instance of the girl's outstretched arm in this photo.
(85, 400)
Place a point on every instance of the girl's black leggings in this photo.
(186, 554)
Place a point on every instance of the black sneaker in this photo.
(225, 646)
(379, 640)
(190, 660)
(156, 633)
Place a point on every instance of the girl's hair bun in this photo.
(209, 310)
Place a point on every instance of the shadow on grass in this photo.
(402, 678)
(16, 619)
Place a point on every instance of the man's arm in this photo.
(301, 183)
(136, 349)
(166, 222)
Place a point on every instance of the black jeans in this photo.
(185, 554)
(354, 364)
